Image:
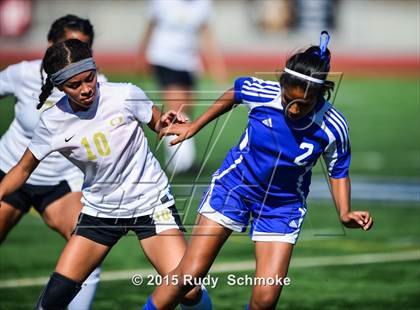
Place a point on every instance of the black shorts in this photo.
(37, 196)
(168, 77)
(108, 231)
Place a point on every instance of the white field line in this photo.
(299, 262)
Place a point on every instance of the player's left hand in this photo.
(172, 117)
(357, 219)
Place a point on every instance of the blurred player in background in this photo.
(177, 32)
(97, 126)
(54, 188)
(267, 175)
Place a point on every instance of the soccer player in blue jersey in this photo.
(265, 178)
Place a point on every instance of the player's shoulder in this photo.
(31, 69)
(53, 111)
(32, 64)
(252, 89)
(123, 95)
(333, 123)
(29, 65)
(25, 69)
(333, 117)
(113, 86)
(101, 78)
(251, 81)
(52, 116)
(120, 89)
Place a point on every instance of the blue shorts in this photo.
(233, 210)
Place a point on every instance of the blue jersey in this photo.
(271, 165)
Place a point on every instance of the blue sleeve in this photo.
(253, 91)
(338, 162)
(337, 154)
(239, 82)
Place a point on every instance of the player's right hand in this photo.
(357, 219)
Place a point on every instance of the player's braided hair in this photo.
(310, 63)
(57, 57)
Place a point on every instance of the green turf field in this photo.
(384, 119)
(32, 250)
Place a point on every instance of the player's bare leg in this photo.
(156, 249)
(61, 215)
(272, 261)
(207, 239)
(9, 217)
(80, 257)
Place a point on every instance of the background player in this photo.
(97, 127)
(54, 187)
(267, 175)
(171, 44)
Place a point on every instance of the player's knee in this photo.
(58, 225)
(194, 270)
(8, 219)
(58, 293)
(265, 298)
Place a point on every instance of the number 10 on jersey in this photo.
(101, 144)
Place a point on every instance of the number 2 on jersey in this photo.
(309, 149)
(101, 144)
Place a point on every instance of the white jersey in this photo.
(122, 177)
(175, 40)
(23, 81)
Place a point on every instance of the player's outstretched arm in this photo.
(350, 219)
(184, 131)
(18, 175)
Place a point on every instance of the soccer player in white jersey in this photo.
(54, 188)
(265, 178)
(96, 126)
(177, 32)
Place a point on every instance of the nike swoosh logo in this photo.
(68, 139)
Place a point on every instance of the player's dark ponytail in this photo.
(46, 91)
(313, 62)
(59, 56)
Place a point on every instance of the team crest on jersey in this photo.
(117, 120)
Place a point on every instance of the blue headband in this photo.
(71, 70)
